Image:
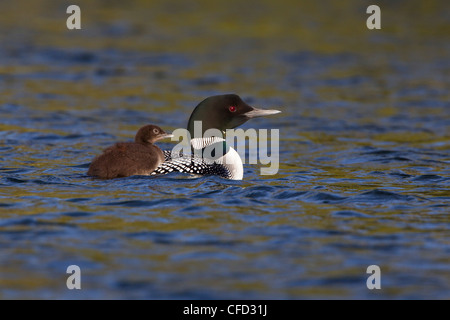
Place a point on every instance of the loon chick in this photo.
(125, 159)
(221, 112)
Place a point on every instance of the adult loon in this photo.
(124, 159)
(221, 112)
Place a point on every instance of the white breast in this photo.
(231, 160)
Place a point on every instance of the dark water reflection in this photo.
(364, 153)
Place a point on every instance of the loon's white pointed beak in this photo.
(255, 113)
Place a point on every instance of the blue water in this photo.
(364, 174)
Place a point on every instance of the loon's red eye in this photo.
(232, 109)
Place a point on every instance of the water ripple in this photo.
(382, 196)
(154, 203)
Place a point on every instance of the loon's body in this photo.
(220, 112)
(124, 159)
(228, 166)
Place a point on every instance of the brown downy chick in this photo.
(126, 159)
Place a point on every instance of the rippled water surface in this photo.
(364, 172)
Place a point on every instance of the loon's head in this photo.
(223, 112)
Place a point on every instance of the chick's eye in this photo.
(155, 131)
(232, 108)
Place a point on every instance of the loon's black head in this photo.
(223, 112)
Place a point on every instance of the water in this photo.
(364, 149)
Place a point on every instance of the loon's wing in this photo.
(167, 155)
(197, 165)
(190, 164)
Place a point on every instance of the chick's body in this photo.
(124, 159)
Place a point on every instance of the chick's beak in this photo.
(164, 136)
